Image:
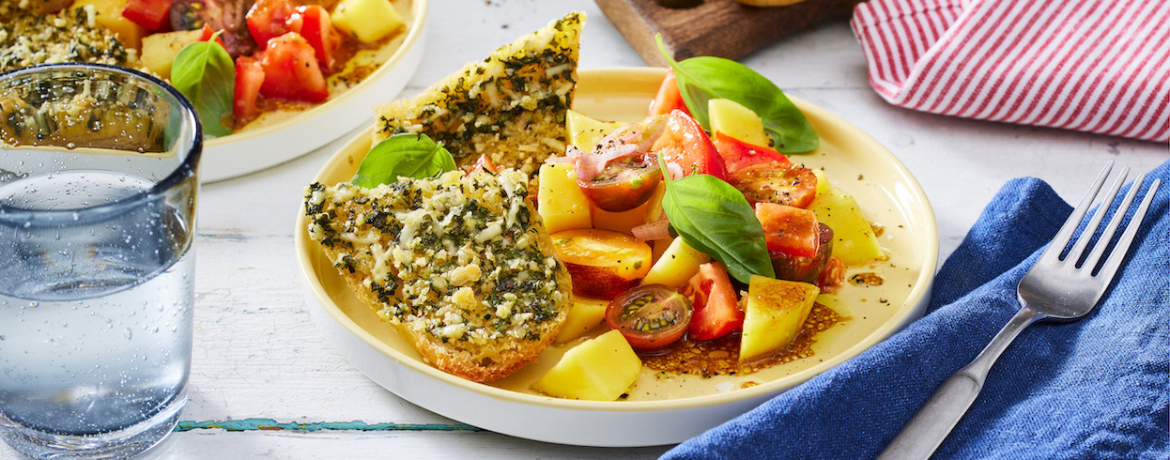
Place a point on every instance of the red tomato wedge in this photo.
(249, 79)
(789, 184)
(713, 298)
(291, 71)
(686, 149)
(788, 229)
(151, 14)
(738, 154)
(669, 98)
(484, 164)
(269, 19)
(208, 32)
(317, 29)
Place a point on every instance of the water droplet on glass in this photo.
(129, 334)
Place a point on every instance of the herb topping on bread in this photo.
(511, 106)
(461, 264)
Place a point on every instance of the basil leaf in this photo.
(205, 73)
(403, 155)
(715, 218)
(703, 78)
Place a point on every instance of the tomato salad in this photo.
(238, 59)
(622, 172)
(691, 226)
(707, 231)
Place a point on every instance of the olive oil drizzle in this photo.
(709, 358)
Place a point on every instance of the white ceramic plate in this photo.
(659, 410)
(281, 136)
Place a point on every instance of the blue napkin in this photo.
(1098, 388)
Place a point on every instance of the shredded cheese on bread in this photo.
(461, 264)
(511, 106)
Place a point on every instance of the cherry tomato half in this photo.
(650, 317)
(790, 184)
(807, 269)
(624, 184)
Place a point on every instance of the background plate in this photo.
(281, 136)
(660, 410)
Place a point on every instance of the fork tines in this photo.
(1104, 240)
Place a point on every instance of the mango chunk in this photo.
(108, 14)
(599, 369)
(854, 241)
(159, 50)
(367, 20)
(560, 202)
(586, 314)
(585, 131)
(823, 184)
(776, 311)
(735, 120)
(677, 265)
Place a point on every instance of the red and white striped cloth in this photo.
(1101, 66)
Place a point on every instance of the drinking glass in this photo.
(98, 183)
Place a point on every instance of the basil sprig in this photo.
(205, 73)
(703, 78)
(403, 155)
(712, 216)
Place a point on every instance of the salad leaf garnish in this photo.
(715, 218)
(205, 73)
(403, 155)
(703, 78)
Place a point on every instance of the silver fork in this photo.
(1059, 286)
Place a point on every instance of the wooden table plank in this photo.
(723, 28)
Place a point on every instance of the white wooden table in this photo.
(260, 361)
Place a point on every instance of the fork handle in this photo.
(927, 430)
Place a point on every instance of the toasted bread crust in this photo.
(510, 106)
(461, 265)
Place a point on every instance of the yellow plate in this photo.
(660, 409)
(280, 136)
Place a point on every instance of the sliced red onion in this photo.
(589, 166)
(657, 230)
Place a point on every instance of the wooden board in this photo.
(723, 28)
